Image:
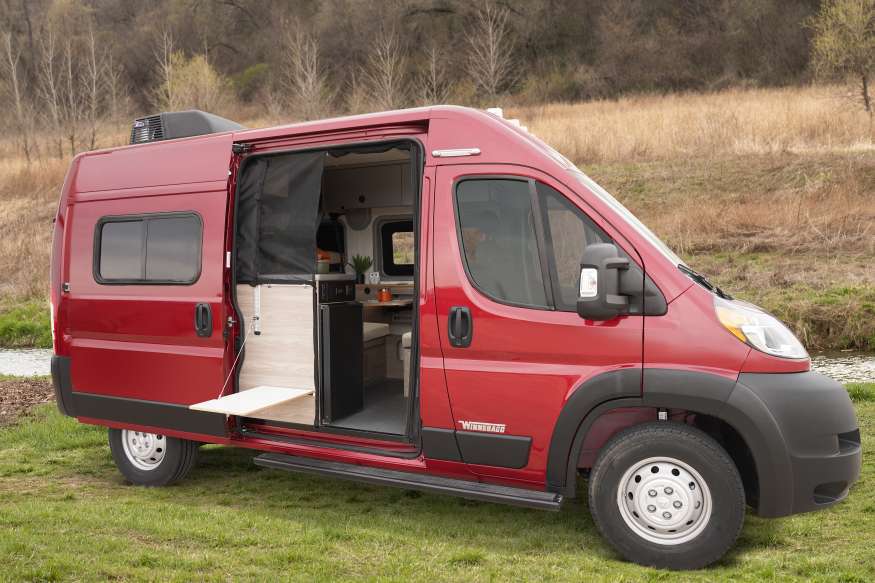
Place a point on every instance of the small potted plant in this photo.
(361, 263)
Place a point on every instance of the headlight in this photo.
(759, 329)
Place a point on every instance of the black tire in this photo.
(692, 447)
(179, 457)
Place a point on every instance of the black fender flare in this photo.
(710, 394)
(577, 414)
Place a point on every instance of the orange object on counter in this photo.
(384, 295)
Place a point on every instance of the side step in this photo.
(414, 481)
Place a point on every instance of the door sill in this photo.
(378, 444)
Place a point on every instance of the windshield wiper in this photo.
(703, 281)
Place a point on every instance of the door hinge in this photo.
(241, 148)
(65, 287)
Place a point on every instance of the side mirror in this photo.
(599, 297)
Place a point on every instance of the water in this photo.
(25, 362)
(845, 367)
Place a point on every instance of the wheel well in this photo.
(727, 436)
(736, 447)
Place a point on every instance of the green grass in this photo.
(65, 513)
(25, 324)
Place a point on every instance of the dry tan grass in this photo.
(786, 203)
(28, 200)
(732, 122)
(782, 170)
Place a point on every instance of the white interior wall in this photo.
(362, 242)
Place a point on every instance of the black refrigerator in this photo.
(341, 356)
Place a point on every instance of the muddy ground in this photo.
(18, 396)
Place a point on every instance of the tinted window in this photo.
(497, 229)
(151, 249)
(121, 250)
(569, 231)
(397, 249)
(173, 249)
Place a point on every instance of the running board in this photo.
(414, 481)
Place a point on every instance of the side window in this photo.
(499, 242)
(151, 249)
(396, 248)
(568, 232)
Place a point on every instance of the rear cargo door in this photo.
(145, 284)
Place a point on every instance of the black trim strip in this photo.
(490, 449)
(150, 413)
(440, 444)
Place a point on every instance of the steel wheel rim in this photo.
(664, 500)
(145, 451)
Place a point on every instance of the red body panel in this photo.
(138, 341)
(523, 364)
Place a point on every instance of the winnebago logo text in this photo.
(481, 426)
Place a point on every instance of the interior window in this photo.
(569, 231)
(497, 229)
(153, 249)
(397, 249)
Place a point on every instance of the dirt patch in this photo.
(20, 395)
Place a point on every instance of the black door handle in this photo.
(203, 320)
(460, 327)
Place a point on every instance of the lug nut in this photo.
(651, 493)
(677, 504)
(666, 515)
(668, 491)
(651, 508)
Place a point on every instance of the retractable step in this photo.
(414, 481)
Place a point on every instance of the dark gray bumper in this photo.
(63, 385)
(806, 441)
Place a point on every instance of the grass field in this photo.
(66, 514)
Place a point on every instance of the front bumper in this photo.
(811, 454)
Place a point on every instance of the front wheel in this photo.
(150, 459)
(667, 495)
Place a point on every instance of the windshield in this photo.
(603, 194)
(636, 224)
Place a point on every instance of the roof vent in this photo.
(179, 124)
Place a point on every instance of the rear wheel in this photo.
(667, 495)
(150, 459)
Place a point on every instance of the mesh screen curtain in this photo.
(277, 218)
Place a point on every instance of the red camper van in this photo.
(517, 329)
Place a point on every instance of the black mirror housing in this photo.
(608, 302)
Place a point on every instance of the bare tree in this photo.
(356, 98)
(49, 89)
(304, 76)
(490, 63)
(386, 69)
(844, 43)
(92, 84)
(116, 90)
(73, 104)
(165, 94)
(434, 84)
(24, 118)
